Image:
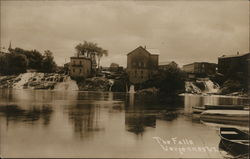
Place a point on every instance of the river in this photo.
(42, 123)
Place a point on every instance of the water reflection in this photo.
(85, 119)
(14, 113)
(169, 115)
(142, 111)
(25, 97)
(85, 114)
(84, 122)
(137, 121)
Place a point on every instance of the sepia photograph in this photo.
(124, 79)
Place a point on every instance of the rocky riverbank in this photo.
(207, 86)
(55, 81)
(95, 84)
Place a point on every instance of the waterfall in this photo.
(192, 88)
(211, 87)
(202, 85)
(111, 84)
(132, 89)
(24, 78)
(35, 80)
(67, 84)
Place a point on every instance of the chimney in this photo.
(238, 53)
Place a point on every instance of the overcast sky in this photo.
(183, 31)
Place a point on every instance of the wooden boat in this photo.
(218, 125)
(234, 140)
(198, 109)
(239, 117)
(225, 107)
(219, 107)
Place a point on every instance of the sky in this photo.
(183, 31)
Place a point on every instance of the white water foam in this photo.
(111, 84)
(24, 79)
(132, 89)
(67, 84)
(191, 87)
(210, 87)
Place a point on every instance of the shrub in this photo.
(231, 86)
(169, 81)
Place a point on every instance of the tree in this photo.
(172, 80)
(48, 63)
(36, 60)
(100, 54)
(169, 81)
(34, 57)
(91, 50)
(13, 64)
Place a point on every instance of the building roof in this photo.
(166, 62)
(231, 56)
(200, 63)
(153, 51)
(146, 50)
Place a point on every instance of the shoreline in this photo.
(48, 81)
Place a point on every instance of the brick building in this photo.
(200, 69)
(234, 64)
(80, 66)
(166, 65)
(141, 65)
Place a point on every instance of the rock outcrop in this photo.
(148, 91)
(95, 84)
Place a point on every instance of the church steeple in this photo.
(10, 47)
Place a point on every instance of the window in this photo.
(141, 71)
(74, 62)
(80, 69)
(73, 70)
(80, 62)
